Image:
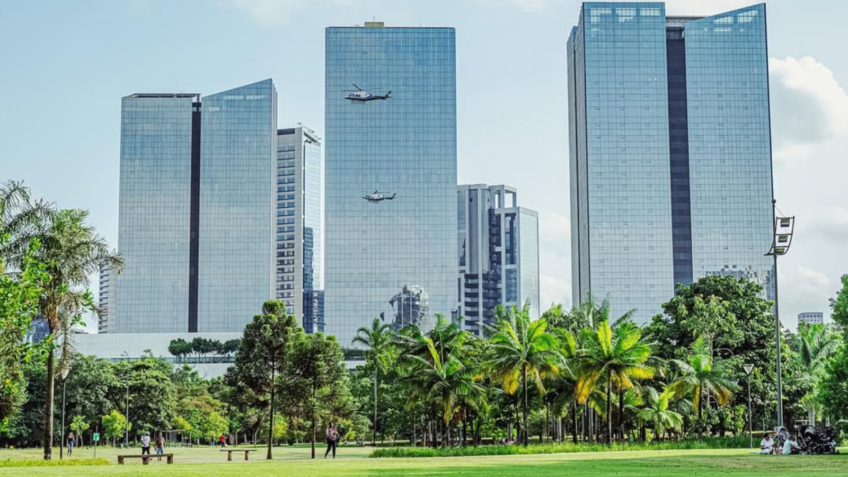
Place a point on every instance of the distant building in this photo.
(390, 166)
(411, 307)
(811, 318)
(195, 214)
(38, 330)
(670, 152)
(298, 225)
(104, 304)
(498, 253)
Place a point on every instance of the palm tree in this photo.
(816, 345)
(701, 376)
(522, 350)
(452, 383)
(72, 251)
(614, 358)
(378, 340)
(657, 412)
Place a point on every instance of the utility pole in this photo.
(62, 434)
(783, 230)
(748, 368)
(127, 435)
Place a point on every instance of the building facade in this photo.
(498, 253)
(195, 214)
(811, 318)
(670, 152)
(103, 302)
(299, 255)
(390, 165)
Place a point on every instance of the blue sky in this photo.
(65, 65)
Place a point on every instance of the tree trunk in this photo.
(574, 410)
(609, 409)
(621, 412)
(269, 455)
(374, 432)
(524, 384)
(413, 442)
(48, 405)
(313, 421)
(700, 415)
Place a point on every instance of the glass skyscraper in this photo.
(298, 225)
(390, 164)
(670, 147)
(498, 253)
(195, 214)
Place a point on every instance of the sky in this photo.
(64, 67)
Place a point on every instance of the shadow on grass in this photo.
(690, 466)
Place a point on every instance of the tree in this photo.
(180, 348)
(832, 389)
(79, 424)
(71, 250)
(703, 376)
(152, 394)
(18, 307)
(658, 413)
(378, 342)
(522, 350)
(815, 345)
(262, 356)
(839, 305)
(316, 379)
(614, 358)
(744, 335)
(114, 425)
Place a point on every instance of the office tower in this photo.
(103, 303)
(670, 152)
(498, 253)
(390, 164)
(195, 223)
(298, 224)
(811, 318)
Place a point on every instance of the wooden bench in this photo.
(230, 453)
(145, 458)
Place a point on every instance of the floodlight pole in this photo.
(777, 324)
(748, 368)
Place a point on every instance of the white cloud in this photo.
(554, 290)
(809, 106)
(802, 289)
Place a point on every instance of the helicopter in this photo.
(378, 197)
(362, 96)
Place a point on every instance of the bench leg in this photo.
(246, 455)
(170, 459)
(229, 456)
(120, 460)
(146, 461)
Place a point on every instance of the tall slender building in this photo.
(390, 164)
(670, 147)
(498, 253)
(298, 225)
(195, 220)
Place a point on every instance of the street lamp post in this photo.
(127, 435)
(62, 433)
(748, 368)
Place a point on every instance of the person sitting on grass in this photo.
(790, 447)
(767, 445)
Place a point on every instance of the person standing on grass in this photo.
(223, 441)
(145, 443)
(160, 445)
(332, 440)
(70, 443)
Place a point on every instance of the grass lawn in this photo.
(294, 461)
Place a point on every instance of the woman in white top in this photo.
(766, 445)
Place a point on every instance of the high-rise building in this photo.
(498, 253)
(670, 147)
(196, 209)
(811, 318)
(390, 165)
(298, 224)
(103, 303)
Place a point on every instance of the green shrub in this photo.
(51, 463)
(712, 443)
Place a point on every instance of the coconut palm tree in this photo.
(522, 350)
(613, 359)
(702, 375)
(657, 412)
(378, 341)
(72, 251)
(816, 344)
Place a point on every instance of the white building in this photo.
(811, 318)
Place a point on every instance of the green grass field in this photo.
(294, 461)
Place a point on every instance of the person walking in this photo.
(223, 441)
(145, 443)
(332, 440)
(70, 444)
(160, 445)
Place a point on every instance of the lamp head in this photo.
(748, 368)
